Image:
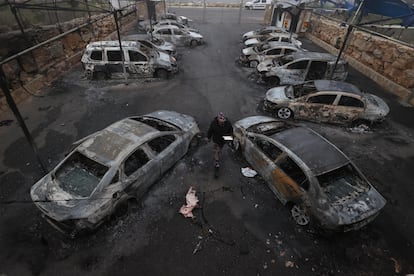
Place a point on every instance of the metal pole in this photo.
(15, 110)
(120, 46)
(204, 11)
(13, 10)
(87, 8)
(240, 11)
(350, 28)
(356, 13)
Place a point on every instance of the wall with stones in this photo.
(37, 68)
(392, 62)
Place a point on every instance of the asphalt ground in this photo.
(241, 229)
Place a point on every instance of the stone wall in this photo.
(387, 62)
(37, 68)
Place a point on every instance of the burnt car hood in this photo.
(375, 106)
(251, 42)
(60, 205)
(352, 210)
(253, 120)
(182, 121)
(277, 94)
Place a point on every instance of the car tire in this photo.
(253, 63)
(100, 75)
(161, 73)
(284, 113)
(299, 214)
(273, 80)
(193, 43)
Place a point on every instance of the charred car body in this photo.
(111, 166)
(177, 36)
(325, 101)
(261, 32)
(153, 43)
(252, 56)
(274, 37)
(308, 173)
(299, 67)
(103, 59)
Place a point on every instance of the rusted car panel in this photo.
(274, 37)
(325, 101)
(110, 166)
(177, 36)
(305, 170)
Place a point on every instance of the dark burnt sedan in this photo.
(308, 173)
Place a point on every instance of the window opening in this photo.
(135, 161)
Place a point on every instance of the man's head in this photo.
(220, 118)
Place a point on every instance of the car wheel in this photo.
(100, 75)
(193, 43)
(284, 113)
(273, 80)
(89, 74)
(253, 63)
(161, 73)
(300, 215)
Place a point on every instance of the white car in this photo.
(263, 31)
(173, 23)
(274, 37)
(179, 37)
(252, 56)
(110, 166)
(153, 44)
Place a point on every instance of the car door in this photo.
(271, 53)
(291, 179)
(139, 171)
(165, 34)
(179, 36)
(317, 70)
(167, 149)
(316, 107)
(294, 72)
(261, 154)
(348, 109)
(138, 64)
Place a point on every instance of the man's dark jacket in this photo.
(216, 132)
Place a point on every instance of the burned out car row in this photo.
(313, 84)
(140, 55)
(305, 171)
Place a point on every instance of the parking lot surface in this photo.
(241, 228)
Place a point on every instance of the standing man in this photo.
(219, 127)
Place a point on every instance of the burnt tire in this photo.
(299, 214)
(273, 81)
(193, 43)
(162, 74)
(253, 63)
(284, 113)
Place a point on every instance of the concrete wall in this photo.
(38, 68)
(389, 63)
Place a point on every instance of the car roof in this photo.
(116, 140)
(316, 152)
(275, 44)
(331, 85)
(111, 43)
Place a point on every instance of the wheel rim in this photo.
(284, 113)
(253, 64)
(299, 215)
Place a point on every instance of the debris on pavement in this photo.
(248, 172)
(360, 129)
(192, 202)
(289, 264)
(5, 123)
(397, 266)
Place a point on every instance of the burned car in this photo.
(172, 16)
(108, 167)
(274, 37)
(172, 23)
(308, 174)
(263, 31)
(302, 66)
(325, 101)
(177, 36)
(153, 43)
(252, 56)
(104, 60)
